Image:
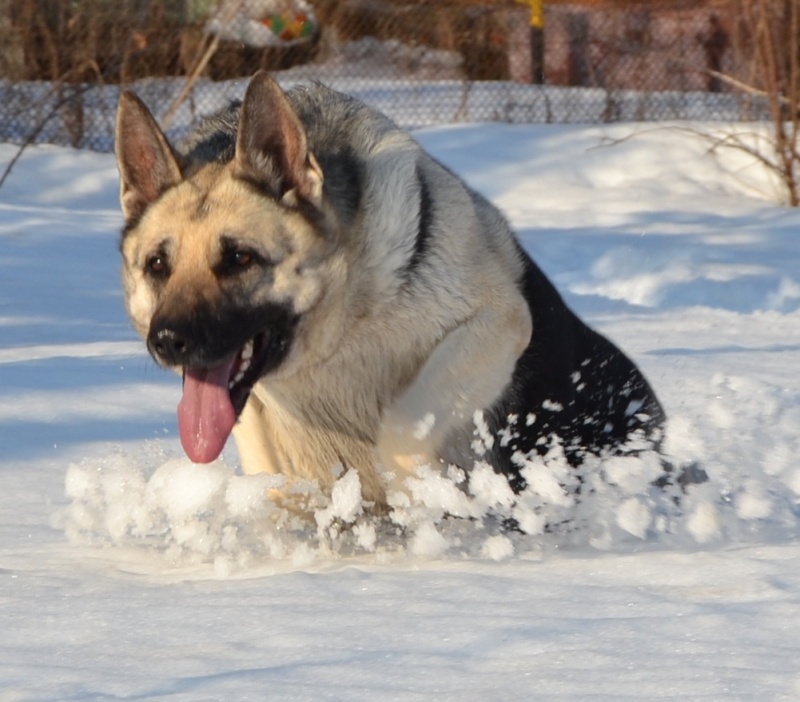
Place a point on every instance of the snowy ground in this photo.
(126, 573)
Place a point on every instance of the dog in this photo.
(334, 296)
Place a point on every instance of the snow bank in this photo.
(190, 514)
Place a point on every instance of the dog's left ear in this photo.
(271, 144)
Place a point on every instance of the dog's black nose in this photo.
(169, 345)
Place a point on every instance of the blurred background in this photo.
(62, 62)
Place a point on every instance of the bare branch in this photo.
(204, 56)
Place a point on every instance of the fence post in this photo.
(537, 39)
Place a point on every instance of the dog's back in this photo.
(571, 384)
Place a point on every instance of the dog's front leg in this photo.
(257, 452)
(467, 371)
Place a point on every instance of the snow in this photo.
(128, 573)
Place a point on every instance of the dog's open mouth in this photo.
(213, 397)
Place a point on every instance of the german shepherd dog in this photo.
(333, 296)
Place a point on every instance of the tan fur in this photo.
(381, 376)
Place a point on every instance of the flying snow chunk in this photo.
(246, 495)
(366, 536)
(544, 480)
(753, 503)
(490, 488)
(346, 496)
(703, 524)
(346, 502)
(424, 426)
(634, 517)
(794, 482)
(498, 548)
(484, 440)
(528, 520)
(184, 490)
(428, 542)
(438, 493)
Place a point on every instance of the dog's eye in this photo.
(236, 258)
(157, 266)
(243, 258)
(240, 260)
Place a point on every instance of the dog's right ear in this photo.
(272, 146)
(147, 163)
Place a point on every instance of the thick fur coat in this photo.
(334, 296)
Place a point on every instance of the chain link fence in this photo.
(62, 64)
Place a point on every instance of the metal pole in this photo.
(537, 39)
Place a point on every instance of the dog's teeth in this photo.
(245, 365)
(247, 351)
(236, 379)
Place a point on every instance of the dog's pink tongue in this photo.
(205, 413)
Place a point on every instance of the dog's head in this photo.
(225, 261)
